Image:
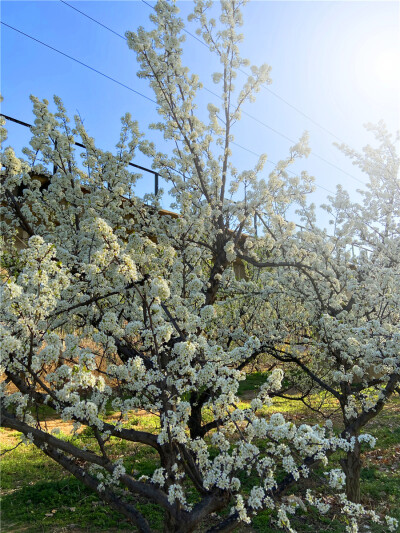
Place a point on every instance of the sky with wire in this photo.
(334, 68)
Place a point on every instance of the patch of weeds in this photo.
(47, 506)
(43, 411)
(47, 503)
(386, 437)
(248, 480)
(380, 484)
(153, 513)
(132, 422)
(146, 467)
(310, 522)
(26, 464)
(149, 423)
(253, 382)
(262, 522)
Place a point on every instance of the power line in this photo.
(264, 86)
(323, 128)
(94, 20)
(131, 89)
(80, 63)
(252, 117)
(314, 154)
(273, 163)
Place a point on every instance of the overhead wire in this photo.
(263, 86)
(78, 61)
(94, 20)
(127, 86)
(245, 113)
(313, 154)
(268, 160)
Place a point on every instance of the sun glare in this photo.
(377, 63)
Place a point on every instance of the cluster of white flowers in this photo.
(230, 251)
(337, 478)
(322, 507)
(159, 289)
(119, 470)
(175, 493)
(158, 477)
(369, 439)
(241, 509)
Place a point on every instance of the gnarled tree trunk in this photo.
(351, 465)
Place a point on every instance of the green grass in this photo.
(25, 465)
(34, 487)
(39, 496)
(303, 522)
(253, 382)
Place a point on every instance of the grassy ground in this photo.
(38, 496)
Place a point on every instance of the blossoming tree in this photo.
(341, 334)
(107, 303)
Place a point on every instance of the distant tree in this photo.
(171, 328)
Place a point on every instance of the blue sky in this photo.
(336, 62)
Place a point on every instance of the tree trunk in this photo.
(195, 419)
(170, 525)
(352, 468)
(194, 422)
